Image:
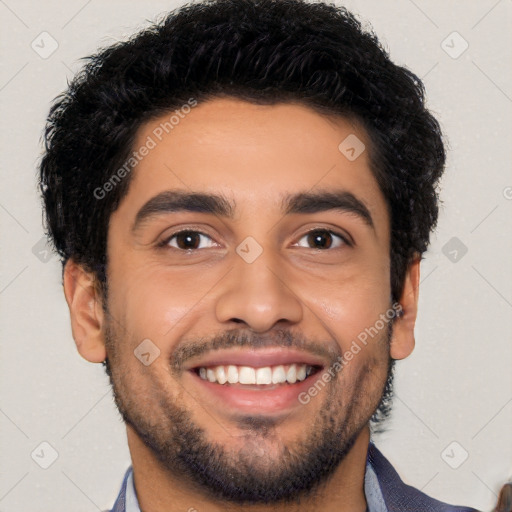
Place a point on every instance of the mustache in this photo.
(240, 338)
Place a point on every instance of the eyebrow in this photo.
(172, 201)
(314, 202)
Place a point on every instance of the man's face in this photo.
(287, 263)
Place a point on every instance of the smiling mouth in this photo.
(256, 377)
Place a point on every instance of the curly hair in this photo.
(261, 51)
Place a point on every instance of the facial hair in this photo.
(249, 475)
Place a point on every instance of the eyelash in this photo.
(165, 243)
(343, 238)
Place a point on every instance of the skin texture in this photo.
(322, 298)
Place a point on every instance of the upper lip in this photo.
(255, 357)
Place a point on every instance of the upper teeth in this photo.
(249, 375)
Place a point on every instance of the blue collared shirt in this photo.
(371, 489)
(383, 488)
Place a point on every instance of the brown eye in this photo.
(322, 239)
(189, 240)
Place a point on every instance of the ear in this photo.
(402, 342)
(84, 302)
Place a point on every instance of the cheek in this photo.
(157, 304)
(352, 306)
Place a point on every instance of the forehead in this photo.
(254, 155)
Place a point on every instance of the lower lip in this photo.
(269, 399)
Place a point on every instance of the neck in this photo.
(159, 490)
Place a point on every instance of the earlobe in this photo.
(84, 302)
(402, 342)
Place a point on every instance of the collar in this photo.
(132, 504)
(372, 489)
(384, 491)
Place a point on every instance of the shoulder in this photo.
(400, 497)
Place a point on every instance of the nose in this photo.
(258, 295)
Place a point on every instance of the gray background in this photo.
(457, 385)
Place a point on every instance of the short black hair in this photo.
(262, 51)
